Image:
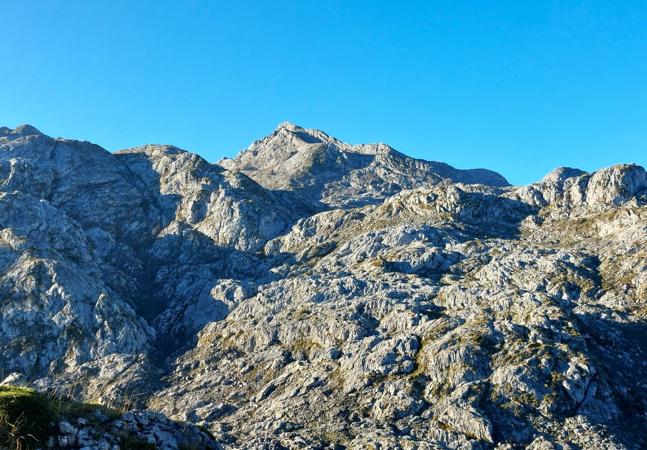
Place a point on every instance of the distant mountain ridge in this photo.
(326, 169)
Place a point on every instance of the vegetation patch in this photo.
(28, 417)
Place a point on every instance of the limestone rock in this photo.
(315, 294)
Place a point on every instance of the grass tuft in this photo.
(28, 418)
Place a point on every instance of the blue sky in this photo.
(520, 87)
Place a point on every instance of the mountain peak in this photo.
(20, 131)
(561, 173)
(326, 170)
(289, 126)
(292, 132)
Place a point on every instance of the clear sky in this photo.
(520, 87)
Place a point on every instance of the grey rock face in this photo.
(316, 294)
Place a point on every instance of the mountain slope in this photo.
(314, 294)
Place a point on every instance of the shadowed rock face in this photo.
(311, 293)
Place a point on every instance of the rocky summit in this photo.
(310, 293)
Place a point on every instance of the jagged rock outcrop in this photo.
(311, 294)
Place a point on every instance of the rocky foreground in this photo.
(315, 294)
(29, 419)
(135, 429)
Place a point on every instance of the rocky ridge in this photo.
(315, 294)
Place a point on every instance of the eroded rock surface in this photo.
(315, 294)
